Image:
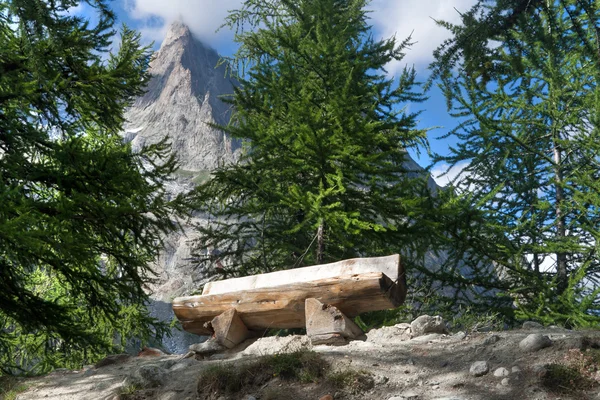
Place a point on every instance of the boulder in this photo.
(426, 324)
(479, 368)
(535, 342)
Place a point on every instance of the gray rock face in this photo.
(181, 102)
(535, 342)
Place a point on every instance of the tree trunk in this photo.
(561, 257)
(321, 242)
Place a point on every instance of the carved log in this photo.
(389, 265)
(325, 324)
(283, 306)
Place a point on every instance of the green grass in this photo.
(10, 387)
(301, 367)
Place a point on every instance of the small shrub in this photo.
(580, 370)
(302, 366)
(351, 380)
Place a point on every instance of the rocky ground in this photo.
(401, 362)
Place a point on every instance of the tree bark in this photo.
(321, 243)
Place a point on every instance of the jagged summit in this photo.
(182, 100)
(178, 32)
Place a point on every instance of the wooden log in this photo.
(283, 306)
(325, 324)
(229, 329)
(389, 265)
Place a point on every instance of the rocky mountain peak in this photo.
(183, 101)
(178, 33)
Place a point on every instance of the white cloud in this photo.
(444, 176)
(403, 17)
(389, 17)
(203, 17)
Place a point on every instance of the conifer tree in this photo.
(81, 215)
(528, 103)
(324, 174)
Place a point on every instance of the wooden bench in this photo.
(321, 298)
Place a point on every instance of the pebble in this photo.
(535, 342)
(479, 368)
(515, 369)
(505, 382)
(500, 372)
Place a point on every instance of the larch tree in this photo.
(81, 215)
(324, 172)
(528, 100)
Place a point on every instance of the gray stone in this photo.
(491, 340)
(535, 342)
(426, 324)
(249, 397)
(500, 372)
(515, 369)
(278, 344)
(479, 368)
(208, 347)
(530, 325)
(505, 382)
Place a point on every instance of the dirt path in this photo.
(424, 368)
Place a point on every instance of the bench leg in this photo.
(229, 329)
(325, 324)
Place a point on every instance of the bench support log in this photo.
(326, 324)
(229, 329)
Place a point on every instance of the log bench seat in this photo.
(321, 298)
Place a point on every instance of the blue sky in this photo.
(388, 17)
